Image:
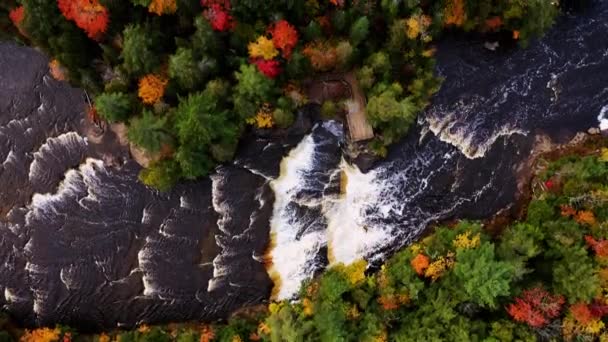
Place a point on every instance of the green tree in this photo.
(205, 131)
(483, 277)
(149, 131)
(539, 212)
(140, 53)
(204, 40)
(188, 336)
(575, 276)
(359, 31)
(114, 107)
(252, 90)
(522, 241)
(285, 326)
(393, 116)
(184, 69)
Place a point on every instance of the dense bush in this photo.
(166, 51)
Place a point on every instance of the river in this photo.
(82, 242)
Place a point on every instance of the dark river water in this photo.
(82, 242)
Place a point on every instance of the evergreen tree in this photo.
(114, 107)
(140, 52)
(183, 68)
(359, 31)
(252, 90)
(483, 278)
(575, 277)
(149, 131)
(205, 131)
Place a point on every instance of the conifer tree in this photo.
(183, 68)
(140, 52)
(114, 107)
(359, 31)
(149, 131)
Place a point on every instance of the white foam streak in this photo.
(462, 137)
(70, 139)
(603, 118)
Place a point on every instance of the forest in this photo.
(190, 77)
(543, 278)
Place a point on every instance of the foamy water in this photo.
(295, 246)
(603, 118)
(350, 235)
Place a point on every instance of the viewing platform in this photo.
(344, 86)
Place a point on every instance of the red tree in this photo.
(599, 247)
(536, 307)
(89, 15)
(270, 68)
(284, 37)
(581, 313)
(218, 14)
(17, 15)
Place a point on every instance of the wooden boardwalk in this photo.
(358, 126)
(343, 86)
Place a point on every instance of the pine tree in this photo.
(183, 68)
(483, 278)
(149, 131)
(359, 31)
(114, 107)
(140, 53)
(575, 276)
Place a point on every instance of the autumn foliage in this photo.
(218, 14)
(455, 13)
(41, 335)
(262, 48)
(270, 68)
(160, 7)
(600, 248)
(420, 263)
(16, 15)
(284, 37)
(89, 15)
(151, 88)
(322, 55)
(57, 71)
(536, 307)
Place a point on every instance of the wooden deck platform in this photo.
(343, 86)
(358, 126)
